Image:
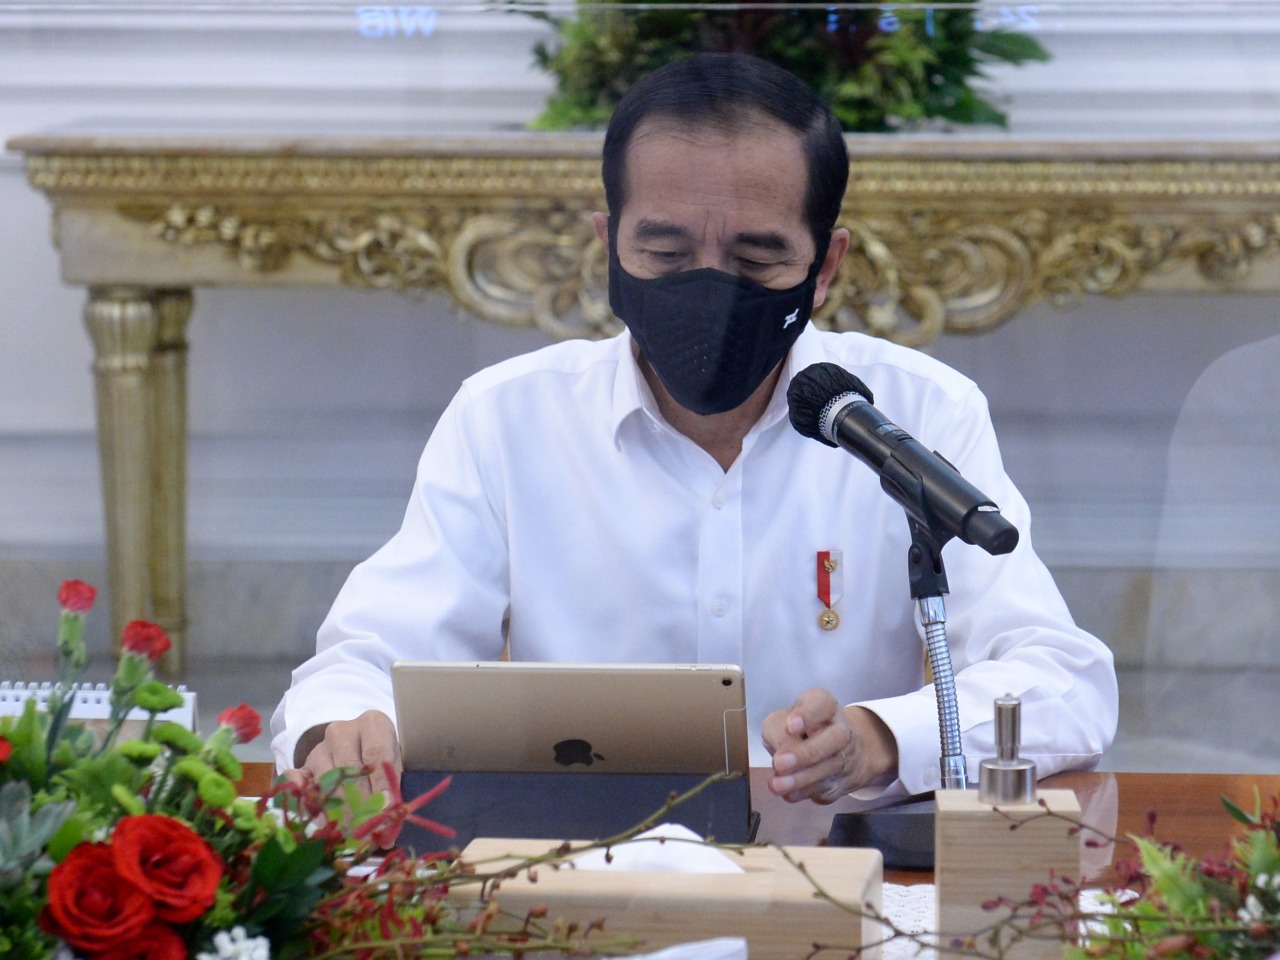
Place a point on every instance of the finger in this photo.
(822, 782)
(813, 710)
(835, 739)
(298, 777)
(320, 760)
(798, 754)
(773, 731)
(379, 750)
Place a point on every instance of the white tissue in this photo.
(648, 854)
(723, 948)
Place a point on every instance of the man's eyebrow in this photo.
(659, 230)
(773, 242)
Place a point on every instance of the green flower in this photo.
(190, 768)
(156, 697)
(177, 737)
(223, 914)
(245, 818)
(227, 764)
(141, 752)
(216, 790)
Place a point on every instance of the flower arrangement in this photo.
(140, 849)
(1177, 907)
(881, 67)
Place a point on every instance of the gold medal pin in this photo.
(830, 586)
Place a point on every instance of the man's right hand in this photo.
(367, 741)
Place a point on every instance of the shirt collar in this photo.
(805, 351)
(631, 394)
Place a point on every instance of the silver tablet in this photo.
(571, 717)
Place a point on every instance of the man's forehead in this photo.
(758, 161)
(713, 130)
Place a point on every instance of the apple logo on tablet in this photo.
(569, 752)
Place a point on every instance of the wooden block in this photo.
(977, 857)
(771, 904)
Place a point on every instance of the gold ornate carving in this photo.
(909, 276)
(524, 267)
(914, 276)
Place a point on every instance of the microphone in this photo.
(829, 404)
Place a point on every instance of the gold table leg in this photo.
(169, 472)
(140, 375)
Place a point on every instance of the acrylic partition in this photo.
(1077, 204)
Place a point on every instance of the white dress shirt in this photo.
(555, 506)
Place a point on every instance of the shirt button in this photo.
(718, 501)
(719, 608)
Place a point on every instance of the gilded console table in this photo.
(951, 234)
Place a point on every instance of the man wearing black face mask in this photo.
(645, 498)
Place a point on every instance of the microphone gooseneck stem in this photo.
(933, 615)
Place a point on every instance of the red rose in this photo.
(6, 750)
(76, 596)
(169, 862)
(245, 720)
(145, 639)
(90, 905)
(155, 942)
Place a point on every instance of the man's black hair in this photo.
(723, 90)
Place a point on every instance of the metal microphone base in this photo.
(903, 833)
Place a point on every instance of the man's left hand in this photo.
(822, 751)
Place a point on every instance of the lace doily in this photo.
(914, 910)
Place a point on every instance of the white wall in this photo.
(308, 409)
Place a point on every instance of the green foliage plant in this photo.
(881, 67)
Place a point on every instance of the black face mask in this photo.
(711, 337)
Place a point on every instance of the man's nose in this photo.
(710, 257)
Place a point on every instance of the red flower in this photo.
(90, 905)
(6, 750)
(145, 639)
(156, 942)
(169, 862)
(76, 596)
(245, 720)
(385, 826)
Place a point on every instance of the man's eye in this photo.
(666, 256)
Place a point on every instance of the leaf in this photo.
(301, 863)
(274, 869)
(1258, 852)
(1174, 877)
(1238, 814)
(1015, 48)
(89, 781)
(269, 864)
(69, 835)
(969, 108)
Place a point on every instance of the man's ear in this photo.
(836, 250)
(601, 223)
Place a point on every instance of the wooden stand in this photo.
(771, 903)
(978, 858)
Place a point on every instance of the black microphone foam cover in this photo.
(812, 389)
